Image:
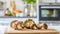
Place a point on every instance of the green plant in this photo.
(29, 1)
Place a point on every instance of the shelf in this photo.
(15, 17)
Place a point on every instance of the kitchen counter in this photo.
(29, 31)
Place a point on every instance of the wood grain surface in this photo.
(30, 31)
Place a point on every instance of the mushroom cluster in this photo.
(28, 24)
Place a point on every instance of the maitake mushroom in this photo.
(39, 26)
(34, 27)
(45, 26)
(28, 24)
(13, 24)
(20, 25)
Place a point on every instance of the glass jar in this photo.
(30, 10)
(33, 11)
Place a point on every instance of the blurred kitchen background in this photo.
(4, 21)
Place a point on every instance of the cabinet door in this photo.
(48, 1)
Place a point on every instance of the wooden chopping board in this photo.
(29, 31)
